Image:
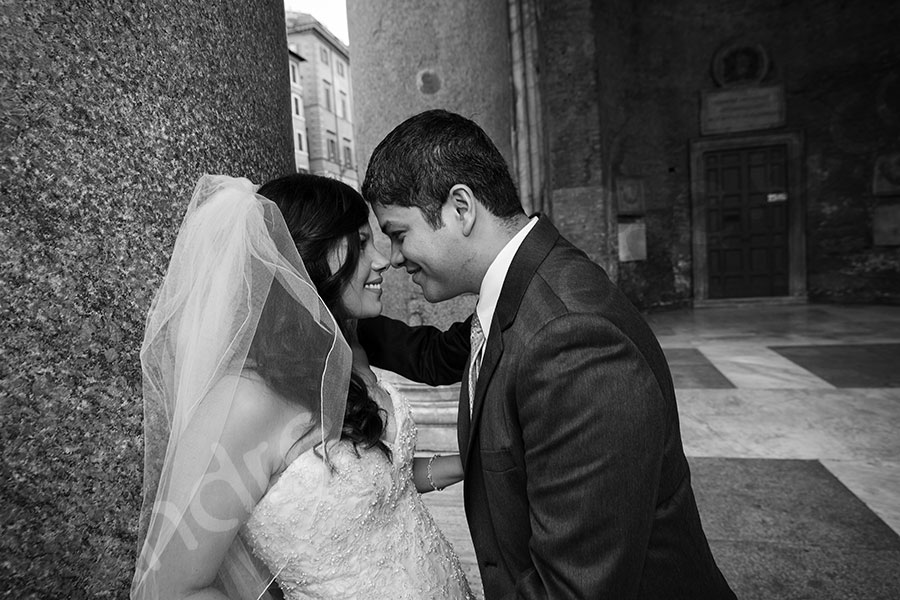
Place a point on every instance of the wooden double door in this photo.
(747, 221)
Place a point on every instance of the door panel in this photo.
(747, 222)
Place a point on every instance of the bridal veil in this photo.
(233, 264)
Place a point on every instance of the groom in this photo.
(576, 483)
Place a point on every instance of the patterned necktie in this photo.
(476, 347)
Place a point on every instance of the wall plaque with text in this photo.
(741, 109)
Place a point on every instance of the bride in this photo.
(276, 462)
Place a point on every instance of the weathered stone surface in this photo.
(110, 113)
(409, 57)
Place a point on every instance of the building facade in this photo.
(327, 98)
(701, 151)
(298, 114)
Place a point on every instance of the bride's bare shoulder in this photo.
(255, 405)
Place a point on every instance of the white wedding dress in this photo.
(359, 532)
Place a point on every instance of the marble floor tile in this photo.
(877, 483)
(833, 424)
(849, 365)
(771, 325)
(789, 529)
(758, 367)
(690, 369)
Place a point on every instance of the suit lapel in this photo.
(463, 421)
(528, 258)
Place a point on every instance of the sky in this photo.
(330, 13)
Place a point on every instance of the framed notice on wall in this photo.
(632, 240)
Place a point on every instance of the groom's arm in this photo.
(423, 353)
(593, 460)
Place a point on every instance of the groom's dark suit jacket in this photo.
(576, 483)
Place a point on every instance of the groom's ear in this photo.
(463, 207)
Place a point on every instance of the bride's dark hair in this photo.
(320, 214)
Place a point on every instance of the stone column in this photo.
(110, 113)
(407, 57)
(578, 110)
(530, 166)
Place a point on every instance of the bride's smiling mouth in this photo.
(374, 285)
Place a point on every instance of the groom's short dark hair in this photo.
(418, 162)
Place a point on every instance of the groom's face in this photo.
(433, 257)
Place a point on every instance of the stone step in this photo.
(434, 410)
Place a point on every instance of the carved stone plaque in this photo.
(630, 196)
(741, 109)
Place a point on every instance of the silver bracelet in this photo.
(428, 473)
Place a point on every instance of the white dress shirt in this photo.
(493, 280)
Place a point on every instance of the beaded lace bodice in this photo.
(359, 532)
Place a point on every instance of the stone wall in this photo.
(663, 63)
(577, 126)
(111, 111)
(847, 101)
(840, 68)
